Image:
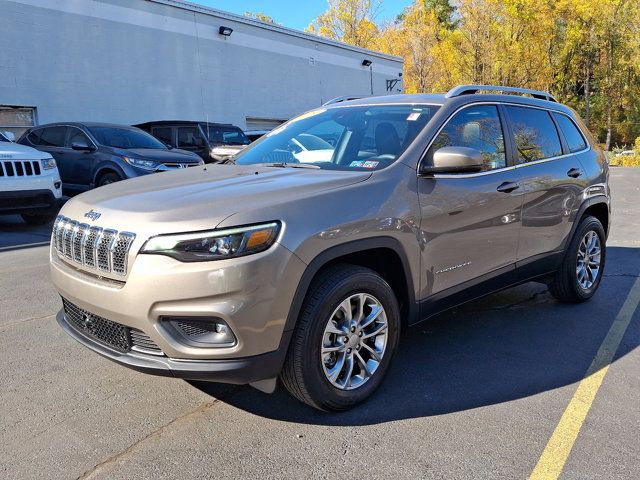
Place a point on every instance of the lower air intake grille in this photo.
(112, 334)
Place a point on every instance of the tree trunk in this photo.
(587, 91)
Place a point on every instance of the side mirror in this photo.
(10, 136)
(454, 160)
(82, 146)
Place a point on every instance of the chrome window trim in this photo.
(497, 170)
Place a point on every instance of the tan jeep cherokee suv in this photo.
(306, 264)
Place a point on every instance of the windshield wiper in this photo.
(292, 165)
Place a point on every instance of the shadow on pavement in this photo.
(509, 345)
(15, 233)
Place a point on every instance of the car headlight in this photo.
(48, 163)
(144, 164)
(214, 244)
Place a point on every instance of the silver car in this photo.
(307, 268)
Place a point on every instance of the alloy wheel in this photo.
(354, 341)
(588, 261)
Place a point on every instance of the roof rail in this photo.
(468, 89)
(344, 98)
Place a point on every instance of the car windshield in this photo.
(219, 135)
(125, 138)
(341, 138)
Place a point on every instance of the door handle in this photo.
(574, 173)
(508, 187)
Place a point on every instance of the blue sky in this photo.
(294, 13)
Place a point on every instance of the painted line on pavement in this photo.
(558, 448)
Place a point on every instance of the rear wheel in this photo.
(344, 340)
(108, 178)
(580, 274)
(38, 218)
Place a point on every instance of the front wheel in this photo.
(108, 178)
(344, 340)
(580, 274)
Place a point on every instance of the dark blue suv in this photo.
(95, 154)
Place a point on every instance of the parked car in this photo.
(308, 272)
(95, 154)
(29, 183)
(254, 135)
(7, 137)
(213, 142)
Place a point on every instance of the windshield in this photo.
(342, 138)
(125, 138)
(219, 135)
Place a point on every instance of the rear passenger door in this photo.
(552, 179)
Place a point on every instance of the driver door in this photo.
(470, 222)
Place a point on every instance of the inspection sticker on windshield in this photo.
(364, 164)
(413, 116)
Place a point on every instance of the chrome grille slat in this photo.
(78, 239)
(106, 250)
(90, 246)
(67, 238)
(103, 257)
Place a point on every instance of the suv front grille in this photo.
(112, 334)
(98, 248)
(19, 168)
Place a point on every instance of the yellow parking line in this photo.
(559, 446)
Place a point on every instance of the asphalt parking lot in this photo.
(475, 393)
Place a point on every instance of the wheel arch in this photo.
(371, 253)
(107, 168)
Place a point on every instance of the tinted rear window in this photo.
(572, 135)
(53, 136)
(535, 134)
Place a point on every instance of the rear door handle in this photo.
(574, 173)
(508, 187)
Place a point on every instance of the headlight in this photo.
(48, 163)
(214, 244)
(144, 164)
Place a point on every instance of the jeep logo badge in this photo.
(93, 216)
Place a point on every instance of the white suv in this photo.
(29, 183)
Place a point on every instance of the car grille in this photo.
(19, 168)
(117, 336)
(102, 249)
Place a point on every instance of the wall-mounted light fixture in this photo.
(366, 62)
(226, 31)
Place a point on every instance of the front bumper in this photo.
(29, 201)
(237, 370)
(251, 294)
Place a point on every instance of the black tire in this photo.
(303, 373)
(108, 178)
(565, 285)
(38, 218)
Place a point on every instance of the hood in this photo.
(199, 198)
(15, 151)
(163, 156)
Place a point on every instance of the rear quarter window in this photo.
(575, 140)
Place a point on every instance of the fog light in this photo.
(201, 331)
(57, 185)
